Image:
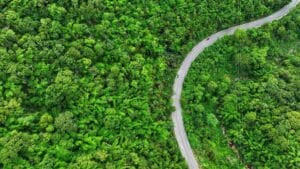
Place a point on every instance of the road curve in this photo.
(179, 130)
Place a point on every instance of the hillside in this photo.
(87, 84)
(247, 84)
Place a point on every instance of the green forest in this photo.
(247, 84)
(88, 84)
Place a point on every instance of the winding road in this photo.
(179, 130)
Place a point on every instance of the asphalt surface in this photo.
(179, 130)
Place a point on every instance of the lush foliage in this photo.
(249, 84)
(87, 84)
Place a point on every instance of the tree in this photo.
(45, 120)
(57, 12)
(294, 119)
(250, 117)
(64, 123)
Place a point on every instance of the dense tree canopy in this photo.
(87, 84)
(248, 85)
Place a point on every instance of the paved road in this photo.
(179, 130)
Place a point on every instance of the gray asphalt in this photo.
(179, 130)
